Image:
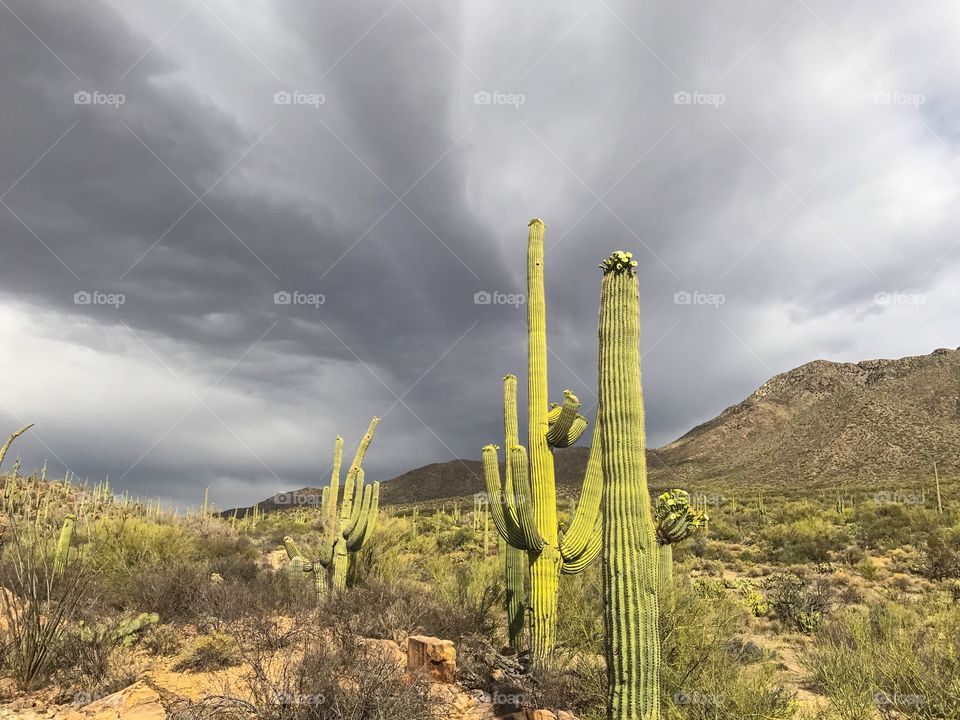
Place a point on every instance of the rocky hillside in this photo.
(871, 422)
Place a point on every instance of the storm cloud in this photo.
(231, 231)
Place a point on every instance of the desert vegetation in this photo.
(720, 601)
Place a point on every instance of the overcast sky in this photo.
(166, 169)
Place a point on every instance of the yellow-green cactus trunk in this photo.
(666, 567)
(630, 555)
(544, 564)
(525, 509)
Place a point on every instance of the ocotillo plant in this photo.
(676, 520)
(346, 531)
(526, 513)
(631, 609)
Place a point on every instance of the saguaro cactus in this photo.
(676, 520)
(345, 529)
(525, 510)
(631, 610)
(63, 545)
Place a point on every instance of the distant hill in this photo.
(872, 422)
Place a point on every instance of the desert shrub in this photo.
(209, 652)
(580, 609)
(319, 675)
(810, 539)
(173, 589)
(575, 683)
(162, 640)
(472, 592)
(897, 661)
(886, 525)
(710, 670)
(796, 602)
(868, 569)
(940, 556)
(121, 546)
(392, 554)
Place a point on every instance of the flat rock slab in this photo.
(433, 657)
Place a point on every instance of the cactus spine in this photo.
(630, 556)
(63, 545)
(676, 520)
(527, 516)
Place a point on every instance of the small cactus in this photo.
(676, 520)
(63, 545)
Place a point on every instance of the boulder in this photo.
(136, 702)
(433, 657)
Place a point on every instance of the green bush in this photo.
(898, 661)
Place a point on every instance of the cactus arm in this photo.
(569, 425)
(363, 516)
(348, 493)
(291, 547)
(329, 494)
(359, 496)
(630, 554)
(583, 525)
(501, 502)
(370, 523)
(524, 500)
(577, 563)
(511, 434)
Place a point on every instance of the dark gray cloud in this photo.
(790, 170)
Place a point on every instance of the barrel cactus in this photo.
(630, 557)
(676, 520)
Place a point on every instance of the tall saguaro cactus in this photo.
(676, 520)
(345, 529)
(630, 562)
(525, 510)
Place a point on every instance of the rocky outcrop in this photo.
(433, 658)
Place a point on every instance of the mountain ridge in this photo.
(869, 422)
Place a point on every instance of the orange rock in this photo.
(136, 702)
(432, 656)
